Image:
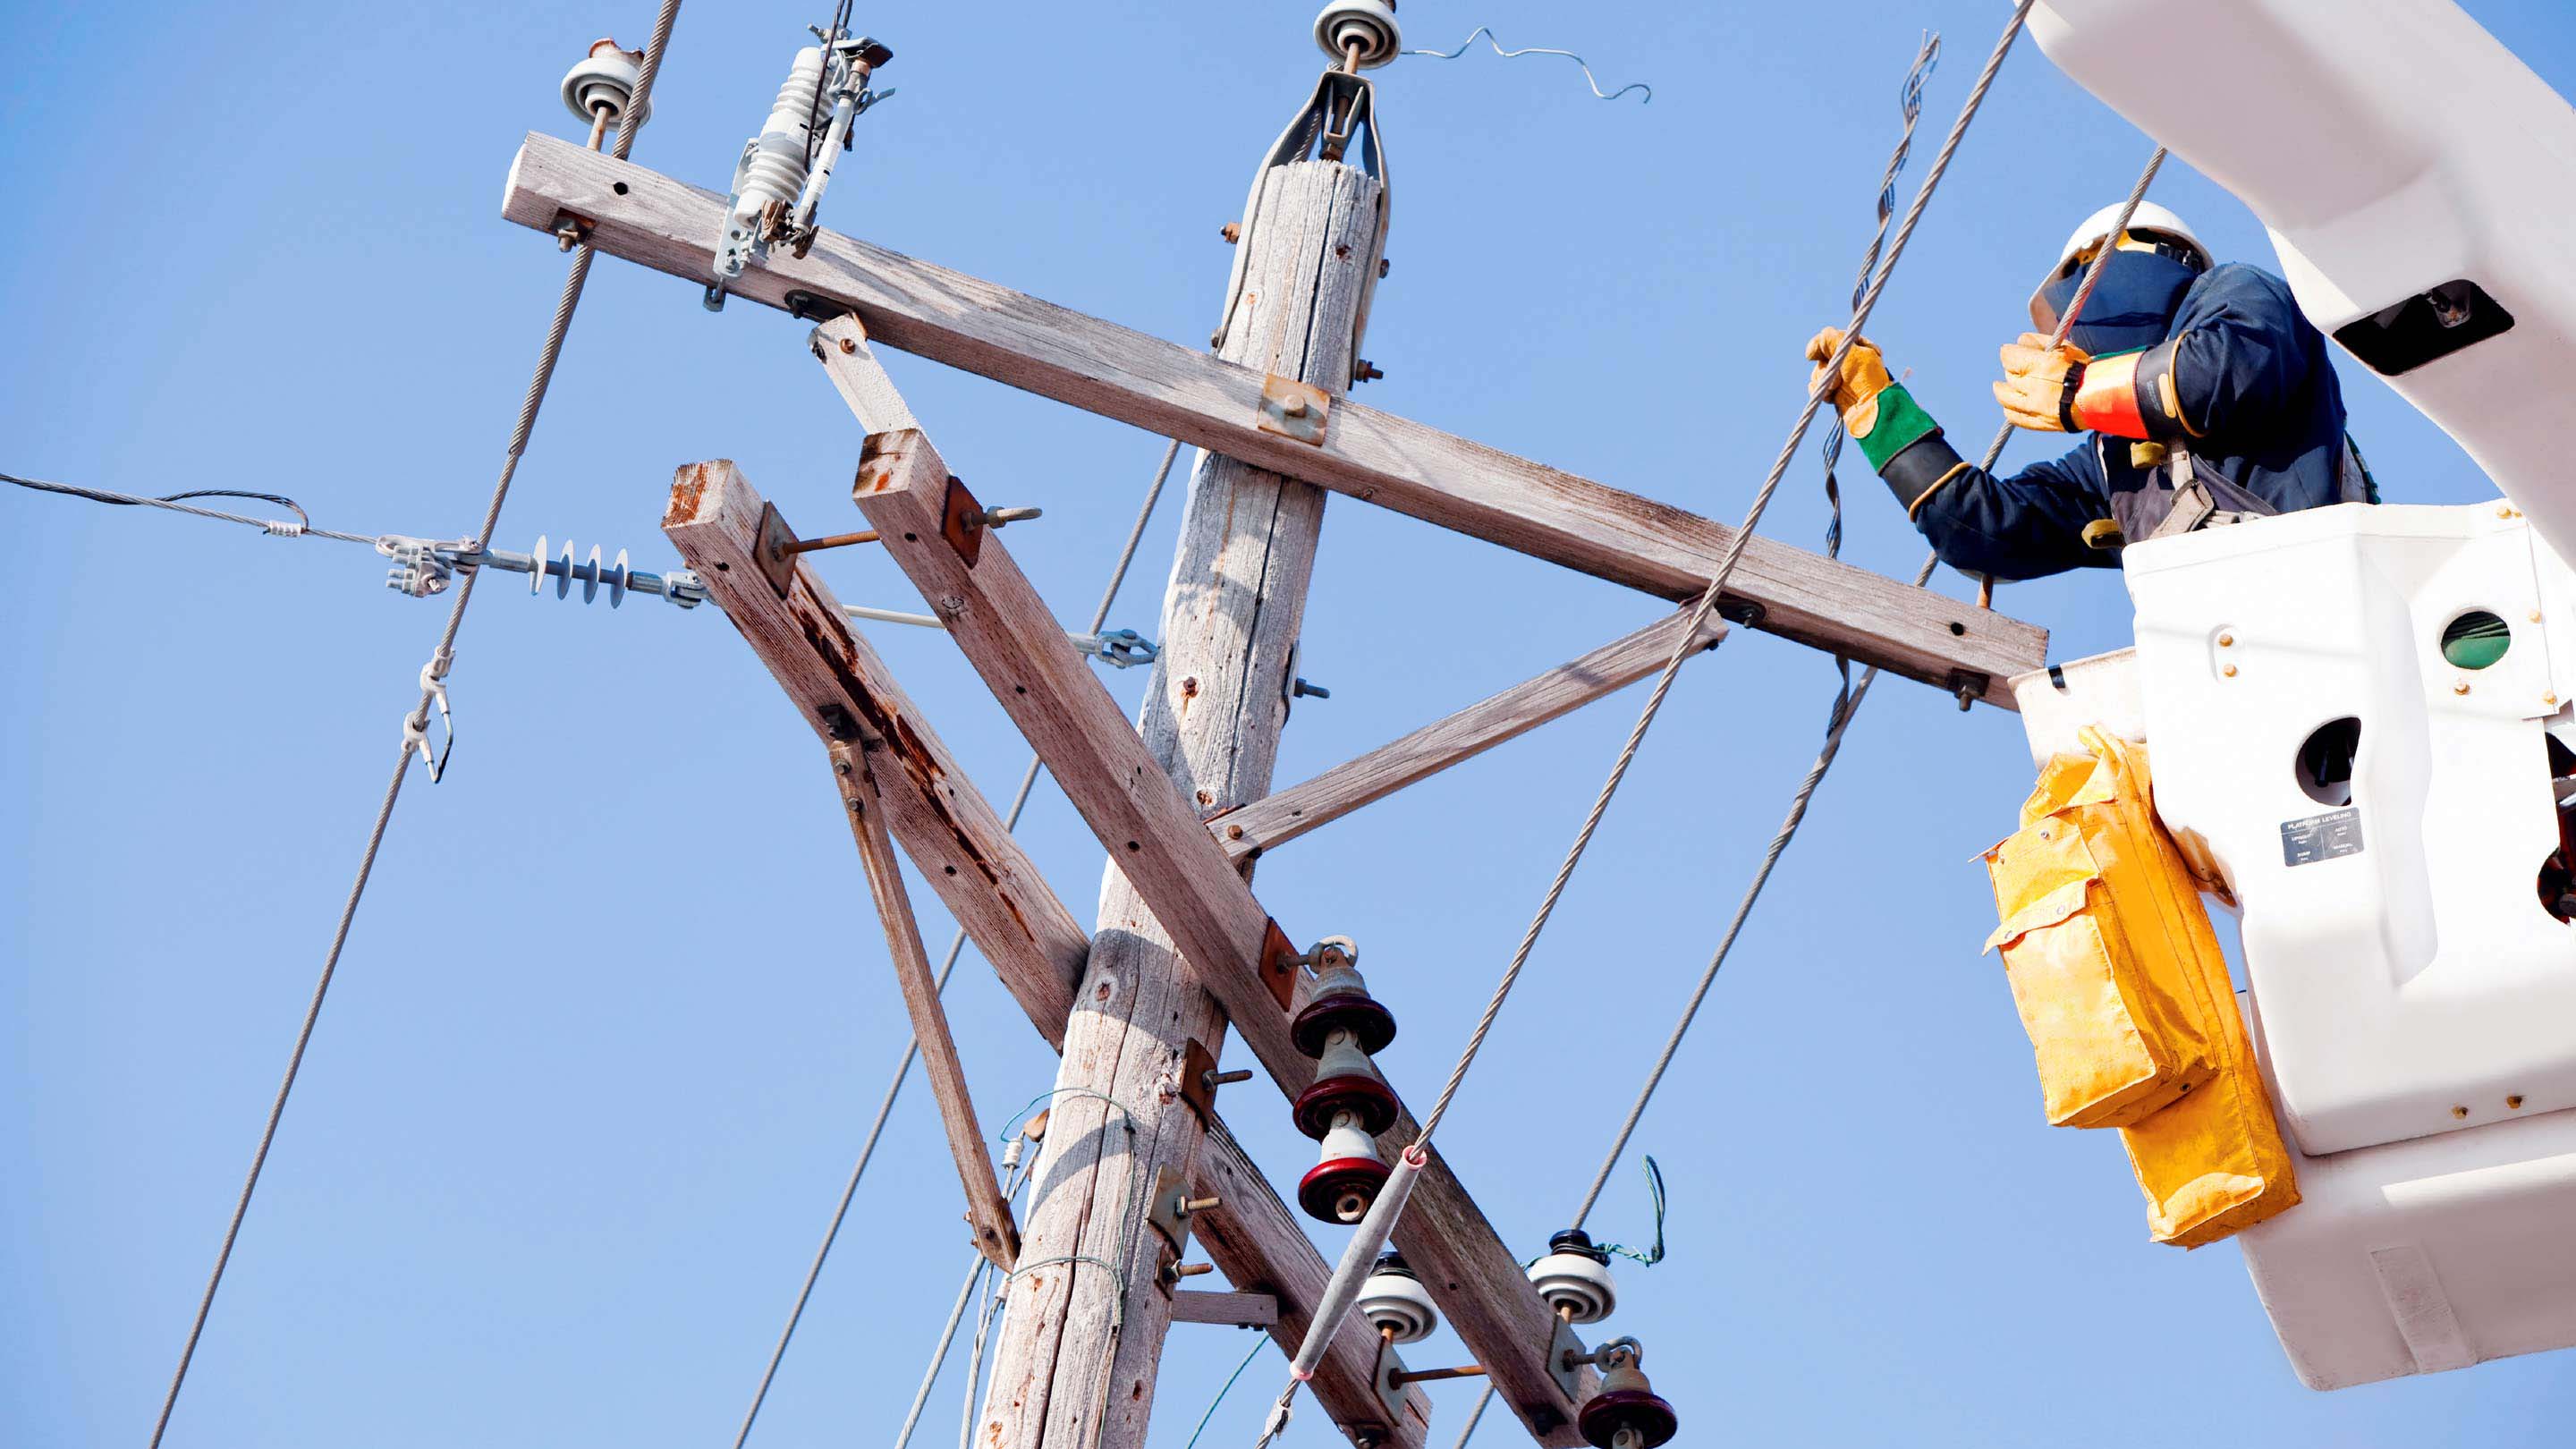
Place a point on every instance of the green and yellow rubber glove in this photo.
(1880, 415)
(2067, 390)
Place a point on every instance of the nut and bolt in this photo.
(1232, 231)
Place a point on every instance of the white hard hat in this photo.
(2149, 217)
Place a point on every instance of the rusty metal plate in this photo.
(773, 548)
(1197, 1065)
(1293, 409)
(1277, 971)
(961, 522)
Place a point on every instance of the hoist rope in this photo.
(1909, 104)
(1326, 1324)
(956, 946)
(417, 720)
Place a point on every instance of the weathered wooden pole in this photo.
(1077, 1361)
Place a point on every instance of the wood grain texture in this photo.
(1184, 878)
(1312, 804)
(1235, 1309)
(996, 1236)
(1176, 392)
(1023, 928)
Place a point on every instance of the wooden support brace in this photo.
(980, 873)
(1235, 1310)
(1280, 817)
(1192, 888)
(1183, 393)
(996, 1236)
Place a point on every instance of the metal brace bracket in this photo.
(1399, 1400)
(1278, 964)
(1293, 409)
(1197, 1065)
(1165, 1208)
(774, 549)
(961, 522)
(1562, 1352)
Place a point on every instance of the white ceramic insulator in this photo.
(776, 169)
(1400, 1302)
(1368, 23)
(1571, 1279)
(1345, 1139)
(604, 78)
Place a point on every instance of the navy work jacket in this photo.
(2258, 402)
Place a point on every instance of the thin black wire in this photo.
(175, 504)
(417, 720)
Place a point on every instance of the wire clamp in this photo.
(1118, 648)
(422, 567)
(433, 685)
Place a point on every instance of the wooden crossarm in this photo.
(979, 871)
(1006, 631)
(1283, 815)
(1183, 393)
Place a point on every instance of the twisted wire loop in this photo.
(1325, 1325)
(1487, 32)
(1910, 105)
(413, 723)
(956, 946)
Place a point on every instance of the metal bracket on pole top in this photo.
(1337, 123)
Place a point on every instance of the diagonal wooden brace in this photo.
(1193, 889)
(1284, 815)
(1033, 942)
(996, 1236)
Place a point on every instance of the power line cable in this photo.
(956, 946)
(415, 723)
(1339, 1294)
(1845, 711)
(301, 528)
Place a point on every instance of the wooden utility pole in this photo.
(1077, 1362)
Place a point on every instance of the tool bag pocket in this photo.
(2097, 971)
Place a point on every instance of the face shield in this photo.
(2134, 304)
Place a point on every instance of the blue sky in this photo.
(616, 1011)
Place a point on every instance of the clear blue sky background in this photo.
(616, 1010)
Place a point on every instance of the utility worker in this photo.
(2210, 398)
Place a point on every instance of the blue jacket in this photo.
(2258, 402)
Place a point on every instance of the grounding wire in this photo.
(1822, 388)
(416, 721)
(956, 946)
(1222, 1391)
(1825, 759)
(1909, 101)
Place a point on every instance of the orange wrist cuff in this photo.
(2107, 399)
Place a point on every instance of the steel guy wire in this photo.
(415, 723)
(1817, 392)
(1910, 105)
(1487, 32)
(956, 946)
(1015, 1177)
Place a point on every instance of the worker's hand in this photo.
(2038, 390)
(1856, 389)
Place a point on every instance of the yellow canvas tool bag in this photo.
(2125, 993)
(2098, 968)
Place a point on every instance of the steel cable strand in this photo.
(1843, 717)
(1012, 1180)
(417, 719)
(1326, 1324)
(956, 946)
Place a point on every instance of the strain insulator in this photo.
(1627, 1413)
(1340, 1003)
(1346, 1083)
(1574, 1278)
(1368, 24)
(1340, 1188)
(1395, 1303)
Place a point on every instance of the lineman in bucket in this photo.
(2210, 399)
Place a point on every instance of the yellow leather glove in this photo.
(2038, 390)
(1864, 377)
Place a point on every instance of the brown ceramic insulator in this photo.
(1606, 1413)
(1370, 1102)
(1324, 1187)
(1369, 1024)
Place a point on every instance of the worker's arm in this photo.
(2237, 354)
(2020, 527)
